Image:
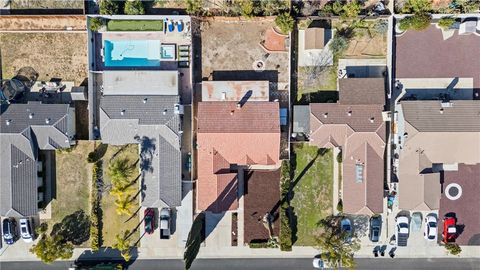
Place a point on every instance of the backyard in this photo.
(312, 190)
(52, 55)
(73, 175)
(113, 222)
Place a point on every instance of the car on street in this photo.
(346, 226)
(375, 228)
(165, 215)
(430, 228)
(402, 231)
(149, 220)
(9, 230)
(449, 229)
(318, 263)
(416, 221)
(26, 230)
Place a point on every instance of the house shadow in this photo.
(104, 256)
(245, 75)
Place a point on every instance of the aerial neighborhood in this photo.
(342, 133)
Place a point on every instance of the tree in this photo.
(417, 6)
(119, 171)
(109, 7)
(122, 243)
(446, 22)
(95, 24)
(273, 7)
(50, 248)
(337, 7)
(337, 247)
(416, 22)
(134, 7)
(351, 9)
(124, 205)
(194, 7)
(285, 22)
(338, 45)
(453, 248)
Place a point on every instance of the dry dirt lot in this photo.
(52, 55)
(234, 45)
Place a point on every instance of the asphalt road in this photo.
(263, 264)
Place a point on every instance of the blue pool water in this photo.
(131, 53)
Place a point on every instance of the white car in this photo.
(318, 263)
(402, 231)
(430, 228)
(26, 230)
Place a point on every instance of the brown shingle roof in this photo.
(466, 207)
(314, 38)
(361, 91)
(262, 195)
(225, 117)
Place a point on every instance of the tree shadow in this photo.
(360, 225)
(74, 228)
(147, 152)
(194, 240)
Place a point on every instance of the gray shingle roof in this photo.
(301, 119)
(151, 122)
(431, 116)
(24, 130)
(361, 91)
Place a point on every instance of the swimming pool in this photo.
(131, 53)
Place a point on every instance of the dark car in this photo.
(149, 220)
(375, 228)
(9, 230)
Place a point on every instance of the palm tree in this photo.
(119, 171)
(124, 205)
(120, 191)
(122, 243)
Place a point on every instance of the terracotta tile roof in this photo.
(361, 91)
(251, 137)
(362, 141)
(225, 117)
(466, 207)
(258, 203)
(426, 55)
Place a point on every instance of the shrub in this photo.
(416, 22)
(109, 7)
(337, 7)
(453, 248)
(417, 6)
(285, 22)
(134, 7)
(92, 157)
(194, 7)
(338, 44)
(95, 210)
(247, 8)
(351, 9)
(381, 27)
(258, 244)
(285, 228)
(340, 206)
(339, 157)
(95, 24)
(446, 22)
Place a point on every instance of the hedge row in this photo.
(95, 208)
(285, 228)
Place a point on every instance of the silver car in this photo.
(26, 230)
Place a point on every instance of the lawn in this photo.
(73, 175)
(312, 190)
(113, 223)
(310, 81)
(135, 25)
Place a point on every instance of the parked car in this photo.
(165, 215)
(346, 226)
(416, 221)
(149, 219)
(430, 228)
(402, 231)
(318, 263)
(375, 228)
(9, 230)
(449, 229)
(26, 230)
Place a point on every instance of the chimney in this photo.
(47, 120)
(30, 115)
(372, 119)
(325, 115)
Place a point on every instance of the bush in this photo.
(92, 157)
(95, 24)
(417, 6)
(339, 157)
(258, 244)
(453, 248)
(95, 210)
(285, 228)
(273, 7)
(351, 9)
(340, 206)
(339, 44)
(381, 27)
(134, 7)
(416, 22)
(247, 8)
(285, 22)
(194, 7)
(109, 7)
(446, 22)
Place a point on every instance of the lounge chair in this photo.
(180, 26)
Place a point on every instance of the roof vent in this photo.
(122, 112)
(145, 100)
(349, 113)
(224, 95)
(30, 115)
(164, 112)
(239, 105)
(231, 112)
(47, 120)
(441, 110)
(7, 122)
(325, 115)
(372, 119)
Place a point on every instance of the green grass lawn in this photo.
(135, 25)
(313, 191)
(113, 223)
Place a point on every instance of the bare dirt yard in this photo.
(234, 45)
(52, 55)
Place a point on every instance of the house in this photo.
(355, 125)
(143, 107)
(27, 129)
(438, 137)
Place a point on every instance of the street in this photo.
(290, 264)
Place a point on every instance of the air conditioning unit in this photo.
(178, 109)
